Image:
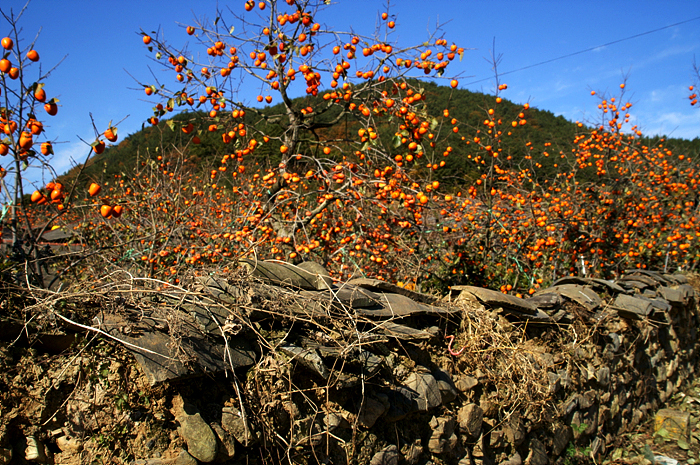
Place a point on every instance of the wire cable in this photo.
(587, 50)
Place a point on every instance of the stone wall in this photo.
(281, 364)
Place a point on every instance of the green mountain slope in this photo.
(469, 108)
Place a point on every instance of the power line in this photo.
(587, 50)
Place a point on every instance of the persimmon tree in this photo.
(26, 107)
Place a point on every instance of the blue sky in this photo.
(102, 48)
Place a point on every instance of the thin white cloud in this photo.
(682, 124)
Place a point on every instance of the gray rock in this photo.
(497, 439)
(161, 357)
(308, 357)
(446, 386)
(514, 459)
(514, 430)
(597, 284)
(673, 296)
(603, 376)
(648, 278)
(443, 439)
(377, 285)
(285, 274)
(321, 274)
(561, 437)
(184, 458)
(387, 456)
(466, 383)
(603, 413)
(597, 448)
(633, 308)
(582, 295)
(616, 341)
(427, 388)
(570, 404)
(537, 454)
(227, 445)
(489, 408)
(404, 332)
(494, 299)
(402, 402)
(588, 398)
(372, 409)
(398, 305)
(34, 451)
(412, 452)
(69, 444)
(564, 378)
(333, 421)
(470, 418)
(547, 301)
(197, 434)
(232, 421)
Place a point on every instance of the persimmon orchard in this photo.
(348, 163)
(346, 167)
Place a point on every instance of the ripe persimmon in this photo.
(35, 127)
(98, 146)
(40, 95)
(454, 83)
(13, 73)
(33, 55)
(148, 90)
(51, 108)
(111, 134)
(4, 149)
(36, 195)
(117, 211)
(106, 211)
(190, 30)
(6, 43)
(25, 140)
(46, 148)
(94, 189)
(5, 65)
(146, 39)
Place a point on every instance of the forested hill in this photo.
(469, 108)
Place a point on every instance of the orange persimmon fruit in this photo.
(94, 189)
